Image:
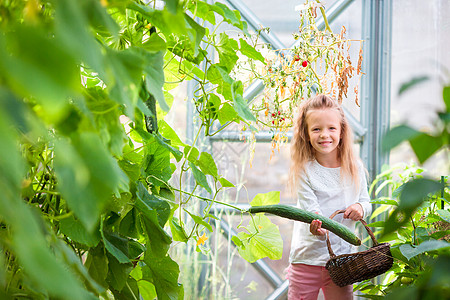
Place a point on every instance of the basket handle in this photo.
(375, 242)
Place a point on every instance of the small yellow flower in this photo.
(201, 240)
(104, 3)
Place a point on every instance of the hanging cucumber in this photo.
(301, 215)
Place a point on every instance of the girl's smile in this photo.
(324, 132)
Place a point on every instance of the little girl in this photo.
(327, 176)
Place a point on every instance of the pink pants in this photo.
(305, 281)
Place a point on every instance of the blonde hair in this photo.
(302, 150)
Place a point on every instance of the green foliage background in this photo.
(86, 201)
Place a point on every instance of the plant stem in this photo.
(207, 199)
(322, 11)
(414, 229)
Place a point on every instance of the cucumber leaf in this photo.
(269, 198)
(264, 240)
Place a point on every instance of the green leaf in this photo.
(161, 207)
(237, 242)
(97, 104)
(75, 230)
(147, 289)
(71, 28)
(396, 135)
(100, 19)
(225, 183)
(12, 166)
(269, 198)
(178, 232)
(411, 83)
(191, 154)
(377, 224)
(226, 48)
(440, 234)
(218, 75)
(117, 272)
(154, 72)
(240, 104)
(163, 272)
(199, 220)
(200, 178)
(116, 245)
(133, 170)
(265, 241)
(250, 51)
(444, 214)
(29, 245)
(170, 134)
(195, 33)
(154, 44)
(410, 292)
(128, 224)
(32, 250)
(409, 251)
(191, 68)
(167, 22)
(97, 264)
(183, 47)
(232, 17)
(129, 291)
(87, 176)
(424, 145)
(172, 6)
(446, 97)
(204, 11)
(415, 191)
(412, 195)
(159, 239)
(126, 65)
(156, 164)
(38, 66)
(384, 201)
(227, 114)
(165, 143)
(207, 164)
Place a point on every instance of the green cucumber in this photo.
(301, 215)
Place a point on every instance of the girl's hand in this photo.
(354, 212)
(316, 228)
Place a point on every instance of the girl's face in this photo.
(324, 132)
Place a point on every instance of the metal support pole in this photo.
(375, 86)
(256, 24)
(280, 292)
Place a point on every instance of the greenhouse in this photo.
(232, 149)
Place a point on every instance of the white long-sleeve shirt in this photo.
(321, 190)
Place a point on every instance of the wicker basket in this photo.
(346, 269)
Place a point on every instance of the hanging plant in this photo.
(319, 62)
